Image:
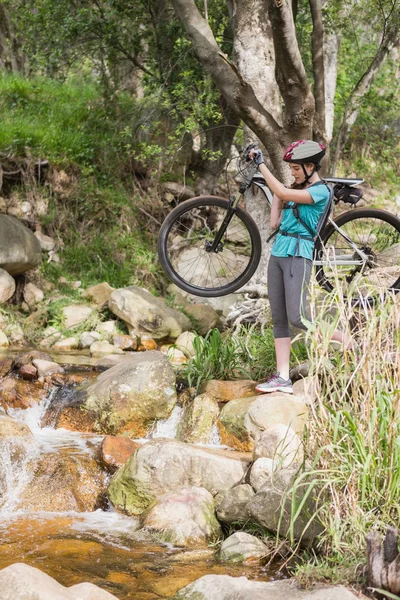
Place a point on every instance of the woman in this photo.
(296, 211)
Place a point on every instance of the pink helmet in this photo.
(304, 151)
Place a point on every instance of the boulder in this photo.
(65, 344)
(306, 387)
(3, 340)
(184, 517)
(233, 508)
(205, 317)
(10, 428)
(107, 329)
(103, 348)
(124, 342)
(19, 248)
(279, 443)
(7, 286)
(110, 360)
(179, 191)
(23, 582)
(300, 371)
(115, 451)
(88, 337)
(99, 294)
(46, 368)
(28, 372)
(19, 393)
(261, 472)
(50, 335)
(147, 314)
(75, 315)
(133, 394)
(162, 465)
(15, 333)
(46, 242)
(28, 357)
(224, 587)
(224, 391)
(198, 419)
(244, 419)
(184, 343)
(32, 295)
(243, 547)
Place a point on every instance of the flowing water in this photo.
(102, 546)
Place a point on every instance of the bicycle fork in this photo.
(215, 245)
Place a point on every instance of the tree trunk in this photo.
(11, 57)
(317, 43)
(331, 52)
(383, 561)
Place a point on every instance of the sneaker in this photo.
(275, 384)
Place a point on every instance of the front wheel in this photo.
(185, 247)
(373, 232)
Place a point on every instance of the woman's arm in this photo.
(276, 212)
(285, 194)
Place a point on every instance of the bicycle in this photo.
(210, 246)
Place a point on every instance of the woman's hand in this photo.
(256, 155)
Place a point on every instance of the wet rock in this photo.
(23, 582)
(124, 342)
(46, 242)
(46, 367)
(99, 294)
(88, 337)
(7, 286)
(261, 472)
(29, 357)
(243, 547)
(18, 393)
(10, 428)
(74, 418)
(76, 315)
(246, 418)
(184, 517)
(65, 344)
(205, 317)
(103, 348)
(19, 249)
(147, 343)
(147, 314)
(279, 443)
(116, 450)
(3, 340)
(32, 295)
(28, 372)
(161, 465)
(132, 395)
(198, 419)
(224, 587)
(233, 507)
(5, 366)
(224, 391)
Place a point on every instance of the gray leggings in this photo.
(288, 280)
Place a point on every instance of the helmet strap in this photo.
(306, 176)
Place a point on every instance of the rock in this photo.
(147, 343)
(197, 421)
(300, 371)
(63, 482)
(175, 356)
(50, 335)
(99, 294)
(88, 337)
(178, 191)
(272, 506)
(3, 205)
(18, 393)
(281, 444)
(10, 428)
(205, 317)
(224, 587)
(110, 360)
(261, 472)
(147, 314)
(184, 517)
(3, 340)
(124, 342)
(184, 343)
(5, 366)
(107, 329)
(161, 465)
(243, 547)
(28, 372)
(104, 348)
(65, 344)
(224, 391)
(15, 333)
(133, 394)
(305, 387)
(29, 357)
(46, 242)
(115, 451)
(7, 286)
(19, 248)
(23, 582)
(244, 419)
(76, 314)
(46, 368)
(233, 508)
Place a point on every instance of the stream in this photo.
(102, 546)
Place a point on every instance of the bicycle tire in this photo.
(342, 220)
(207, 202)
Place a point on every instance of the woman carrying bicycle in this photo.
(297, 212)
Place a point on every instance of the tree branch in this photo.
(317, 45)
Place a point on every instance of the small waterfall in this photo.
(168, 427)
(15, 456)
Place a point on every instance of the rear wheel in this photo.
(185, 241)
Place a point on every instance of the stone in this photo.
(224, 391)
(233, 508)
(179, 191)
(115, 451)
(183, 517)
(3, 340)
(7, 286)
(242, 547)
(103, 348)
(19, 248)
(184, 343)
(18, 393)
(76, 314)
(244, 419)
(130, 396)
(306, 387)
(175, 356)
(28, 372)
(5, 366)
(162, 465)
(15, 333)
(205, 317)
(110, 360)
(124, 342)
(23, 582)
(300, 371)
(272, 505)
(50, 335)
(29, 357)
(147, 314)
(261, 472)
(46, 242)
(281, 444)
(46, 368)
(11, 428)
(147, 343)
(65, 344)
(198, 419)
(224, 587)
(99, 294)
(88, 337)
(3, 205)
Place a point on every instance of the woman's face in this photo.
(297, 172)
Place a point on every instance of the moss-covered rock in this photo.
(198, 419)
